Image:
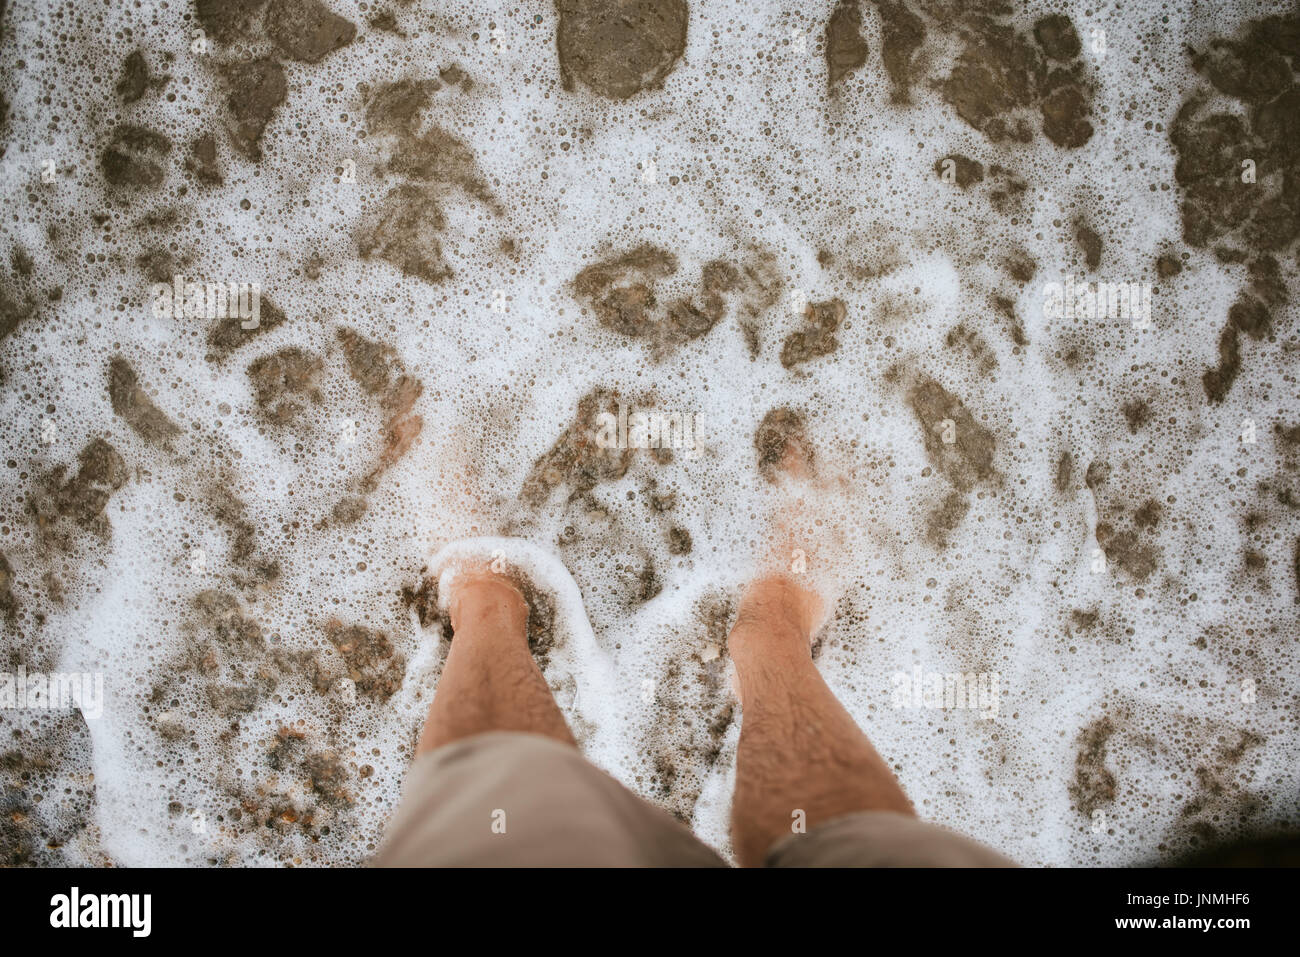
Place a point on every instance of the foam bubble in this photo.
(249, 582)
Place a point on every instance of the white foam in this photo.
(745, 119)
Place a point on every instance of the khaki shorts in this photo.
(505, 799)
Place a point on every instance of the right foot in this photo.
(479, 594)
(777, 616)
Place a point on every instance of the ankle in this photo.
(777, 616)
(488, 600)
(754, 640)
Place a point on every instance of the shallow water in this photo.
(466, 248)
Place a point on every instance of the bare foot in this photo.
(480, 596)
(780, 608)
(801, 756)
(774, 629)
(490, 681)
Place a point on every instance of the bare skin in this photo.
(799, 749)
(490, 681)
